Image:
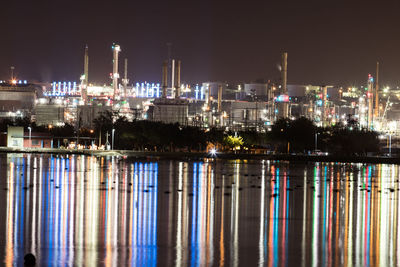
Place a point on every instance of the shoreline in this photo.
(201, 155)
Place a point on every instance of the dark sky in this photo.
(329, 42)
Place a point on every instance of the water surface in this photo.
(87, 211)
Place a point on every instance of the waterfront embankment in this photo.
(201, 155)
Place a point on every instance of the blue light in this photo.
(64, 87)
(69, 88)
(59, 89)
(197, 91)
(282, 98)
(152, 90)
(54, 88)
(137, 89)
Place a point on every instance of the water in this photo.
(88, 211)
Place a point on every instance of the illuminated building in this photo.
(18, 100)
(170, 110)
(50, 113)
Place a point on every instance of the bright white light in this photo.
(213, 151)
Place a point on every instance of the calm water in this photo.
(88, 211)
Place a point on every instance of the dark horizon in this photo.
(336, 43)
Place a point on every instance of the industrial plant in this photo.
(243, 106)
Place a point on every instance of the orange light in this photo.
(14, 81)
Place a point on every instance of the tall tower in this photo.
(370, 97)
(282, 100)
(376, 113)
(178, 79)
(284, 73)
(172, 75)
(86, 65)
(85, 76)
(125, 80)
(164, 84)
(115, 76)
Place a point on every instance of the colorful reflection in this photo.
(85, 211)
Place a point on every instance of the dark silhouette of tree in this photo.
(301, 134)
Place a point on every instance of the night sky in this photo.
(329, 42)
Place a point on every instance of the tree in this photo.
(233, 142)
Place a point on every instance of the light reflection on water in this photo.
(88, 211)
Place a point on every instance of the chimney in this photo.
(173, 74)
(116, 49)
(178, 79)
(164, 79)
(284, 73)
(376, 92)
(86, 65)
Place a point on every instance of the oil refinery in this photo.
(242, 106)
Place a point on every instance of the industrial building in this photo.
(17, 99)
(253, 105)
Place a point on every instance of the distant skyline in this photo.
(335, 42)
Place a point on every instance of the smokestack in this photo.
(376, 91)
(86, 65)
(370, 101)
(173, 74)
(178, 79)
(284, 73)
(283, 104)
(116, 49)
(164, 78)
(219, 97)
(125, 80)
(85, 81)
(208, 97)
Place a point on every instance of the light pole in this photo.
(30, 136)
(112, 139)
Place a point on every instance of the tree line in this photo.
(293, 136)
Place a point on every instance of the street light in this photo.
(112, 139)
(30, 136)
